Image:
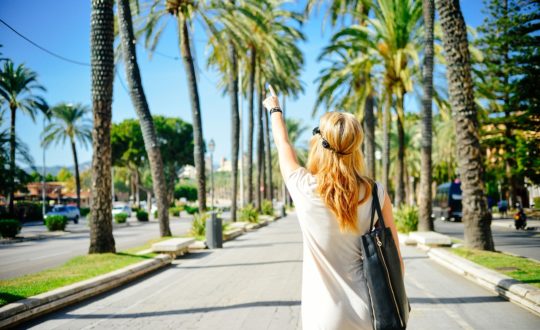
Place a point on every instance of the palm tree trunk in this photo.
(138, 98)
(386, 143)
(235, 126)
(369, 131)
(268, 159)
(102, 59)
(400, 187)
(476, 217)
(260, 145)
(251, 93)
(77, 177)
(12, 162)
(198, 148)
(425, 222)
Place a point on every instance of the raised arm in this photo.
(286, 154)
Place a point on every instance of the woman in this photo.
(333, 202)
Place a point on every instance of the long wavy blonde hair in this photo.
(339, 167)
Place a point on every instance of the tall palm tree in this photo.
(476, 217)
(155, 20)
(17, 87)
(425, 222)
(102, 60)
(138, 97)
(68, 122)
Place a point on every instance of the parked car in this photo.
(447, 201)
(121, 209)
(69, 211)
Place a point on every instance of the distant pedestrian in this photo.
(333, 199)
(503, 207)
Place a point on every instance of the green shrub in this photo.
(120, 217)
(175, 211)
(406, 218)
(189, 192)
(155, 214)
(191, 209)
(249, 213)
(536, 201)
(85, 211)
(56, 222)
(27, 211)
(198, 226)
(142, 215)
(135, 209)
(9, 228)
(267, 207)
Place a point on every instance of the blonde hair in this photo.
(339, 168)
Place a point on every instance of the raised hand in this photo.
(271, 101)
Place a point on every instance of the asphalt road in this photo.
(523, 243)
(33, 256)
(254, 283)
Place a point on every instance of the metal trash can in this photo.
(283, 211)
(214, 232)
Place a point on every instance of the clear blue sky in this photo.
(63, 26)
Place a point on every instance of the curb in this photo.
(523, 295)
(32, 307)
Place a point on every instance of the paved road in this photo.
(523, 243)
(32, 256)
(254, 283)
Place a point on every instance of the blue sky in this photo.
(63, 26)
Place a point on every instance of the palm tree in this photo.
(155, 21)
(476, 217)
(102, 60)
(68, 122)
(425, 222)
(138, 98)
(17, 86)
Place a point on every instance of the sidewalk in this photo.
(255, 283)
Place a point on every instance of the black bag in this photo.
(382, 269)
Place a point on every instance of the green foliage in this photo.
(249, 213)
(28, 211)
(9, 228)
(120, 217)
(175, 211)
(406, 218)
(536, 201)
(198, 226)
(519, 268)
(189, 192)
(191, 209)
(267, 207)
(155, 214)
(64, 175)
(142, 215)
(84, 211)
(75, 270)
(56, 222)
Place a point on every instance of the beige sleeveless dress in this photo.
(334, 291)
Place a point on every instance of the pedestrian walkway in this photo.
(254, 283)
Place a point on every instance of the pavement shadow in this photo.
(240, 264)
(270, 303)
(264, 245)
(455, 300)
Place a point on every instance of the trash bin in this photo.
(214, 234)
(283, 211)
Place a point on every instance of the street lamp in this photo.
(211, 148)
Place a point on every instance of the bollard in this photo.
(214, 232)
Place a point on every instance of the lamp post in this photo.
(211, 148)
(44, 209)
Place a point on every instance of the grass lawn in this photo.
(75, 270)
(521, 269)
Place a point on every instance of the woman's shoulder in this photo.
(300, 182)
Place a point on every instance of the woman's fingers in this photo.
(272, 91)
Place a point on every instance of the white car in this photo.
(69, 211)
(122, 209)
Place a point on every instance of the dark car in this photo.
(447, 201)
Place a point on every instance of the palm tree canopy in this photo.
(17, 85)
(68, 121)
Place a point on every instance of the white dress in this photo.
(334, 291)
